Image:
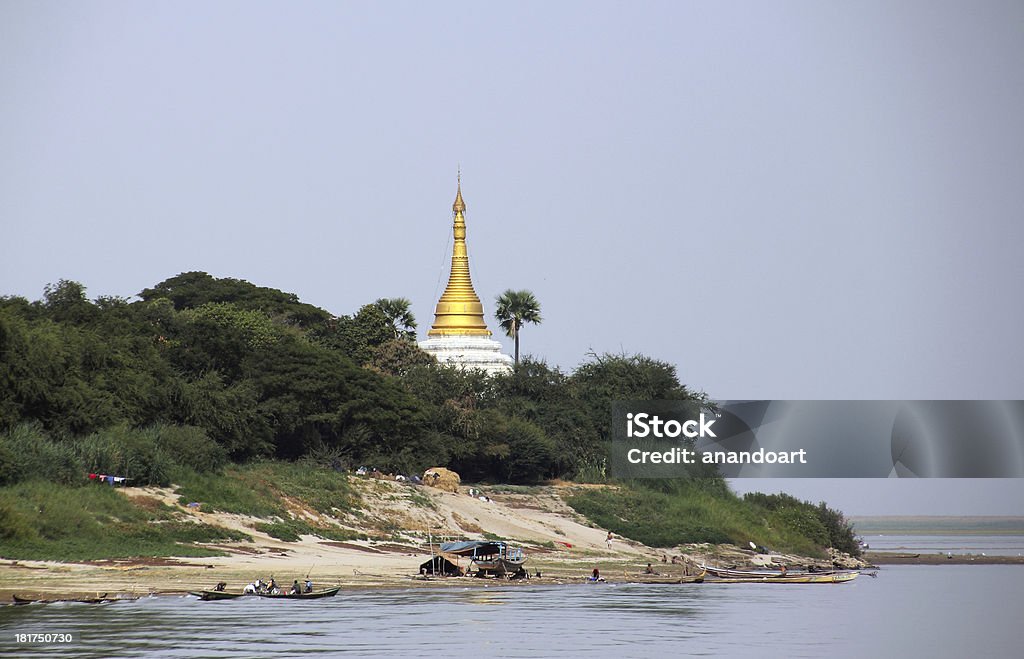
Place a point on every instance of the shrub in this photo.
(191, 447)
(129, 452)
(29, 454)
(287, 531)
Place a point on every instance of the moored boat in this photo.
(491, 558)
(835, 577)
(645, 578)
(728, 573)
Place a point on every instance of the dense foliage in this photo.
(252, 372)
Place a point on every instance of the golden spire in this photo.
(459, 312)
(459, 206)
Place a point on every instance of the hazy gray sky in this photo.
(785, 199)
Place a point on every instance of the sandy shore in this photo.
(559, 543)
(559, 546)
(325, 565)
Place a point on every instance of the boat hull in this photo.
(215, 595)
(78, 600)
(837, 577)
(727, 573)
(498, 566)
(318, 594)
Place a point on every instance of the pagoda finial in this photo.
(459, 206)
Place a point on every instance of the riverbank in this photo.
(562, 546)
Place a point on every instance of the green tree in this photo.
(195, 289)
(398, 313)
(515, 308)
(357, 336)
(397, 357)
(66, 302)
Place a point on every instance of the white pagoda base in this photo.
(469, 352)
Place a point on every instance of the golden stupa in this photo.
(459, 311)
(459, 335)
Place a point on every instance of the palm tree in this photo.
(398, 314)
(514, 309)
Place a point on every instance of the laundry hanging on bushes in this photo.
(110, 480)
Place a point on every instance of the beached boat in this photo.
(728, 573)
(835, 577)
(214, 595)
(645, 578)
(316, 594)
(491, 558)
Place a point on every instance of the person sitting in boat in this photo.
(782, 571)
(272, 587)
(220, 587)
(649, 569)
(309, 586)
(250, 589)
(296, 589)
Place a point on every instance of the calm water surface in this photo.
(945, 611)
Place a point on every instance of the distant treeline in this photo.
(260, 374)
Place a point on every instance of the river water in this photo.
(933, 611)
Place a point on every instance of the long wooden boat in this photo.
(727, 573)
(215, 595)
(102, 599)
(316, 594)
(835, 577)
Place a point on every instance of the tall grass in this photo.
(257, 489)
(236, 490)
(47, 521)
(27, 452)
(147, 456)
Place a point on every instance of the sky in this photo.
(786, 200)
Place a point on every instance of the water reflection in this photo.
(901, 612)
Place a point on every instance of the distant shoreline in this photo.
(938, 524)
(898, 558)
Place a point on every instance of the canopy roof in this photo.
(473, 548)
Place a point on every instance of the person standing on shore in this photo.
(608, 540)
